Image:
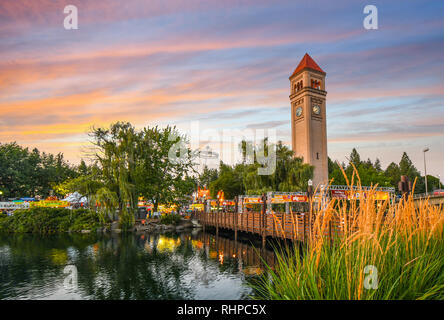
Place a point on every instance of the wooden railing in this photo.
(292, 226)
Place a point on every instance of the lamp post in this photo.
(439, 182)
(425, 169)
(310, 195)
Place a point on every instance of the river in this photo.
(186, 265)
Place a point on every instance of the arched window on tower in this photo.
(316, 84)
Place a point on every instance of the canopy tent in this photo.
(76, 198)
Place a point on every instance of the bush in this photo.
(50, 220)
(170, 219)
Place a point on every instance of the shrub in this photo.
(170, 219)
(50, 220)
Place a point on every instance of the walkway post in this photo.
(235, 217)
(264, 203)
(217, 219)
(310, 201)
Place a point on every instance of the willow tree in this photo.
(153, 163)
(116, 152)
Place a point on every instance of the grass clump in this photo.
(403, 240)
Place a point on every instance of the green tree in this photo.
(25, 173)
(207, 176)
(164, 167)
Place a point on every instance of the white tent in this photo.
(76, 198)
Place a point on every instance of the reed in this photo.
(402, 240)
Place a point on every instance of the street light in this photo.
(310, 187)
(425, 169)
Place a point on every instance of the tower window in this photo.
(317, 155)
(316, 84)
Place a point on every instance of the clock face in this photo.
(316, 109)
(298, 111)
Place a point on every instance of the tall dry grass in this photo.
(403, 240)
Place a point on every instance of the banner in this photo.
(50, 204)
(299, 198)
(339, 194)
(203, 192)
(281, 198)
(251, 200)
(349, 195)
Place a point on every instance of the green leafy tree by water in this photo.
(30, 173)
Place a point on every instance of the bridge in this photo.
(286, 226)
(295, 226)
(433, 199)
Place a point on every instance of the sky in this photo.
(224, 65)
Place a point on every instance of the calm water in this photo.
(189, 265)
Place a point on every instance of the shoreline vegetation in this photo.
(60, 220)
(51, 221)
(388, 251)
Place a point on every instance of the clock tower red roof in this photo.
(307, 62)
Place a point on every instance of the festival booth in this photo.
(357, 193)
(249, 203)
(275, 201)
(287, 202)
(197, 207)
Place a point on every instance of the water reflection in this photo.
(188, 265)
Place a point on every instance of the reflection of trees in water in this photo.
(117, 266)
(32, 259)
(122, 269)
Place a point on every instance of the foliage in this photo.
(163, 172)
(50, 220)
(86, 185)
(230, 180)
(372, 173)
(170, 219)
(31, 173)
(207, 176)
(290, 173)
(153, 163)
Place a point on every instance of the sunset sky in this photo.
(225, 64)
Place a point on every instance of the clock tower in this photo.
(308, 117)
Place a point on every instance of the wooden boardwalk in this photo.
(291, 226)
(280, 225)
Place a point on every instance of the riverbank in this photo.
(60, 220)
